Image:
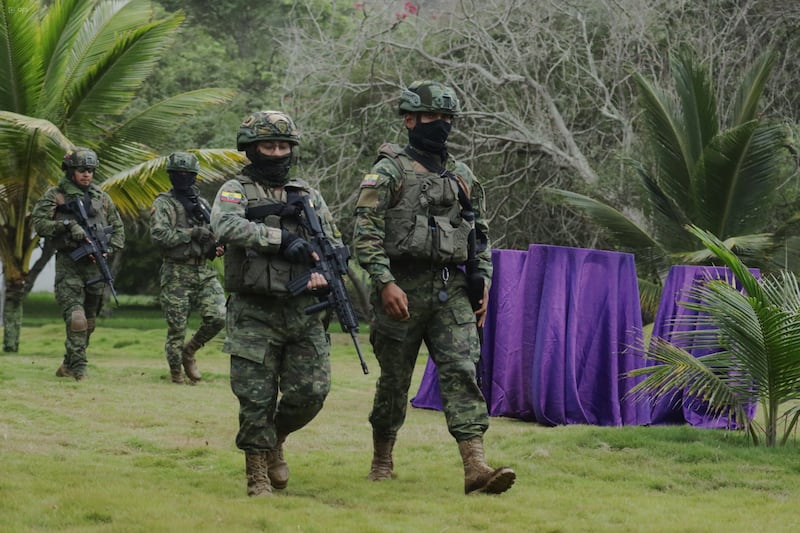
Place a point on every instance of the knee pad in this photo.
(90, 324)
(77, 321)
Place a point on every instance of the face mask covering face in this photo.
(182, 182)
(430, 136)
(271, 169)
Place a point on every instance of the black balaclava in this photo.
(183, 182)
(430, 136)
(270, 170)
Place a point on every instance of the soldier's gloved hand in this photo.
(296, 249)
(202, 234)
(76, 232)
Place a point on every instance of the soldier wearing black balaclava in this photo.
(419, 220)
(280, 365)
(180, 228)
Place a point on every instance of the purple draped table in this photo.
(557, 328)
(671, 319)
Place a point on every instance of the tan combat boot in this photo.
(189, 362)
(256, 468)
(480, 477)
(278, 470)
(176, 373)
(64, 372)
(382, 463)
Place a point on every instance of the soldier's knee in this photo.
(90, 325)
(77, 320)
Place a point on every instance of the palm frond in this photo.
(749, 92)
(755, 247)
(698, 103)
(138, 185)
(20, 63)
(159, 121)
(740, 172)
(669, 217)
(621, 227)
(33, 151)
(60, 27)
(782, 289)
(745, 277)
(672, 155)
(649, 295)
(703, 380)
(108, 84)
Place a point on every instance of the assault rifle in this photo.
(95, 245)
(201, 213)
(332, 264)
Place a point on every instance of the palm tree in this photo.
(755, 336)
(721, 179)
(70, 70)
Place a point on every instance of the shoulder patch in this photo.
(370, 180)
(230, 196)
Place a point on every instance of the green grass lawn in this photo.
(127, 451)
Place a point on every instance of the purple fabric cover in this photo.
(679, 409)
(558, 324)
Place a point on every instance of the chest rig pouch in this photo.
(93, 200)
(425, 220)
(186, 250)
(250, 271)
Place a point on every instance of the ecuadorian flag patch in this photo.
(370, 180)
(228, 196)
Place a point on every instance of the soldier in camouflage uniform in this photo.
(411, 236)
(77, 290)
(180, 228)
(274, 345)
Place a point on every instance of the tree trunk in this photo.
(12, 314)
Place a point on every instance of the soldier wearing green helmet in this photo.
(421, 235)
(280, 365)
(77, 290)
(180, 228)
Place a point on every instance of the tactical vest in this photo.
(97, 217)
(184, 250)
(253, 272)
(425, 221)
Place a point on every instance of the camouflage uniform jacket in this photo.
(382, 189)
(250, 240)
(170, 227)
(48, 218)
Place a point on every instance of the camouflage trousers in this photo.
(80, 303)
(276, 350)
(449, 332)
(185, 288)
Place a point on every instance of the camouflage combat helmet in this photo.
(267, 126)
(183, 162)
(429, 97)
(79, 157)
